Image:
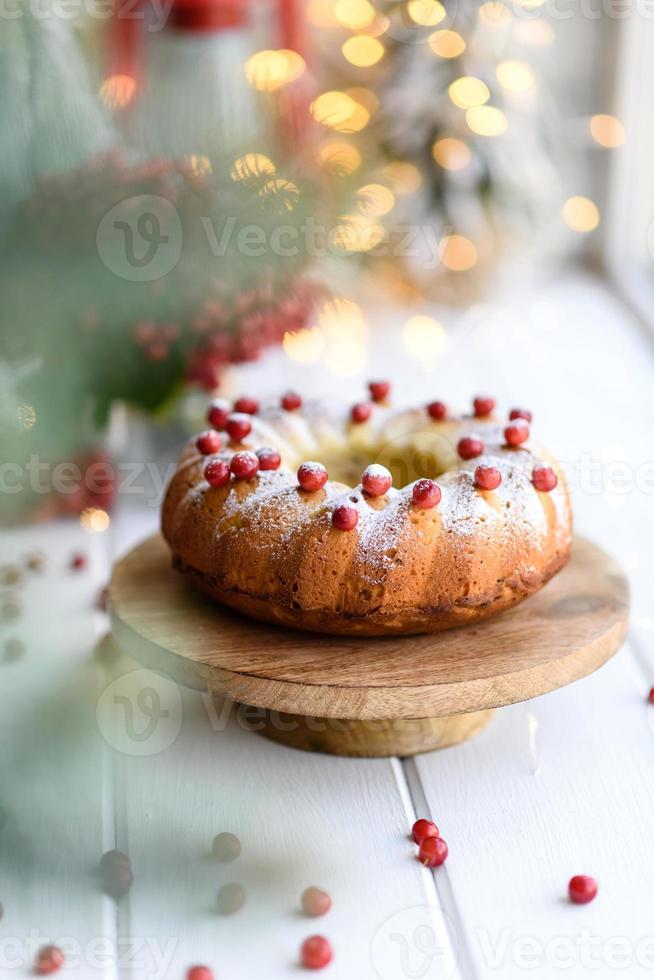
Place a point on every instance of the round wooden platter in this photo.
(371, 696)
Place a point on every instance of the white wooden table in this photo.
(560, 786)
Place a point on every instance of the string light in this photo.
(354, 14)
(283, 193)
(451, 153)
(427, 13)
(252, 166)
(495, 14)
(341, 159)
(607, 130)
(486, 120)
(404, 177)
(339, 111)
(94, 519)
(363, 51)
(269, 70)
(375, 199)
(458, 254)
(117, 91)
(447, 44)
(581, 214)
(515, 76)
(468, 91)
(423, 337)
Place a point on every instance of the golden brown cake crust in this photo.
(268, 549)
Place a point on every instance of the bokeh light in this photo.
(486, 120)
(375, 199)
(538, 32)
(495, 14)
(451, 153)
(117, 91)
(94, 520)
(427, 13)
(306, 346)
(424, 338)
(340, 158)
(447, 44)
(339, 111)
(581, 214)
(269, 70)
(458, 253)
(284, 194)
(252, 166)
(405, 177)
(363, 51)
(515, 76)
(607, 130)
(354, 14)
(200, 166)
(468, 91)
(26, 417)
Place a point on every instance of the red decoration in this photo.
(49, 959)
(316, 953)
(582, 889)
(269, 459)
(361, 412)
(315, 902)
(422, 829)
(470, 447)
(376, 480)
(345, 518)
(433, 852)
(244, 466)
(379, 390)
(520, 413)
(199, 973)
(426, 494)
(78, 562)
(483, 405)
(650, 696)
(208, 442)
(219, 412)
(437, 410)
(312, 476)
(487, 477)
(216, 472)
(544, 478)
(248, 406)
(238, 426)
(516, 433)
(291, 401)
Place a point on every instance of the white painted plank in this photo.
(50, 760)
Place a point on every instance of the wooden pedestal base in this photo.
(371, 696)
(372, 738)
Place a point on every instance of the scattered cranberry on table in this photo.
(544, 478)
(238, 426)
(316, 953)
(379, 390)
(483, 405)
(78, 561)
(470, 447)
(422, 829)
(244, 466)
(516, 433)
(218, 413)
(269, 459)
(345, 518)
(437, 411)
(199, 973)
(360, 412)
(208, 442)
(249, 406)
(433, 852)
(315, 902)
(49, 959)
(426, 494)
(487, 478)
(216, 472)
(312, 476)
(376, 480)
(520, 413)
(582, 889)
(291, 401)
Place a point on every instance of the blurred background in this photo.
(202, 196)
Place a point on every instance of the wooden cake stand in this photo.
(371, 696)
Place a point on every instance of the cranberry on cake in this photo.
(365, 520)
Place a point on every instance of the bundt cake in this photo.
(253, 519)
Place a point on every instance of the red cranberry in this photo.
(315, 902)
(650, 696)
(216, 473)
(219, 410)
(426, 494)
(483, 405)
(582, 889)
(312, 476)
(199, 973)
(437, 410)
(208, 442)
(49, 959)
(316, 952)
(345, 518)
(379, 390)
(520, 413)
(470, 447)
(422, 829)
(249, 406)
(78, 561)
(361, 412)
(244, 466)
(269, 459)
(291, 401)
(432, 852)
(544, 478)
(238, 426)
(376, 480)
(487, 477)
(516, 433)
